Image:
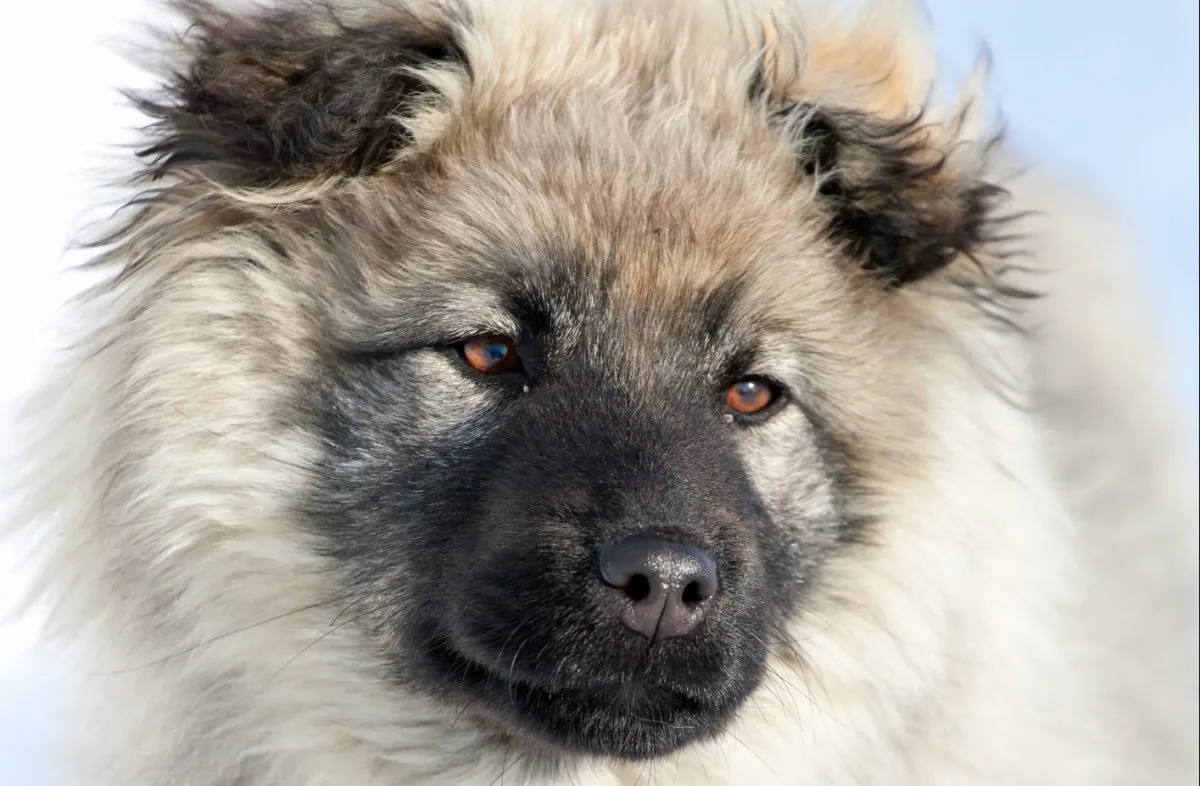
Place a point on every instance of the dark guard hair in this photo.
(889, 194)
(885, 195)
(291, 93)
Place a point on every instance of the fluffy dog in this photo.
(605, 392)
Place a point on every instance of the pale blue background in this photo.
(1106, 91)
(1101, 90)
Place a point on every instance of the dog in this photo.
(606, 393)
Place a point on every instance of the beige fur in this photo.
(1024, 618)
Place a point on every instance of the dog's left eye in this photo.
(491, 354)
(751, 395)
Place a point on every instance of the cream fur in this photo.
(1025, 625)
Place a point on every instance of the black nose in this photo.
(666, 586)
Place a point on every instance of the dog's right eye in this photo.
(491, 354)
(751, 396)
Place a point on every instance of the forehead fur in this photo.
(291, 101)
(703, 57)
(869, 55)
(270, 69)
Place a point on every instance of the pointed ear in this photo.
(275, 95)
(906, 197)
(905, 186)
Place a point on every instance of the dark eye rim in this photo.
(779, 399)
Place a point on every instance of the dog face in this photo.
(578, 475)
(577, 511)
(575, 540)
(601, 354)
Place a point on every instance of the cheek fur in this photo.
(791, 473)
(417, 398)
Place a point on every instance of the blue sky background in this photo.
(1103, 91)
(1106, 92)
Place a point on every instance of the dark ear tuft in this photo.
(291, 92)
(892, 194)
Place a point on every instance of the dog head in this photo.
(584, 352)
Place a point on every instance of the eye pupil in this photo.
(491, 354)
(749, 396)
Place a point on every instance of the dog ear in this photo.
(276, 95)
(904, 183)
(904, 196)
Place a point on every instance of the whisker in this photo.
(463, 711)
(508, 765)
(216, 638)
(308, 647)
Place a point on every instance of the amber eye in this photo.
(491, 354)
(748, 396)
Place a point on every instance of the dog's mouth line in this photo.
(455, 660)
(467, 670)
(516, 710)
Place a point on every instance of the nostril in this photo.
(665, 585)
(637, 588)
